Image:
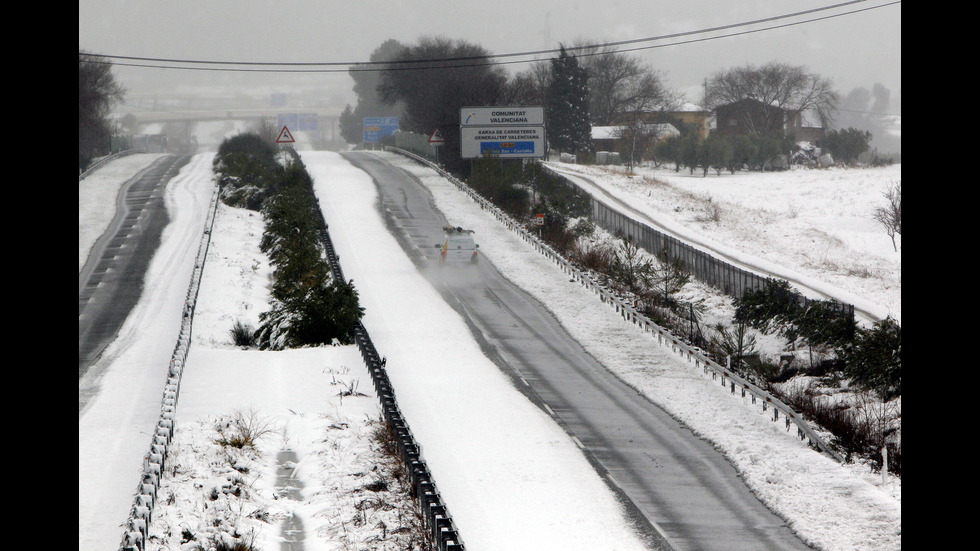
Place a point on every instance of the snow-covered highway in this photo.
(567, 505)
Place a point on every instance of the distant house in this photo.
(804, 126)
(663, 123)
(606, 138)
(609, 138)
(686, 115)
(751, 116)
(693, 116)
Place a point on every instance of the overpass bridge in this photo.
(321, 125)
(328, 115)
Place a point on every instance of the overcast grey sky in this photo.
(853, 50)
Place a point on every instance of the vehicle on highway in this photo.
(457, 246)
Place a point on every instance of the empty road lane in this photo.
(111, 281)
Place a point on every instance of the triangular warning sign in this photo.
(285, 136)
(436, 137)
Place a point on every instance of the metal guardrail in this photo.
(104, 161)
(138, 524)
(705, 266)
(624, 306)
(444, 533)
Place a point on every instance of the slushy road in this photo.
(682, 491)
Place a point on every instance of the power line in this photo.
(487, 60)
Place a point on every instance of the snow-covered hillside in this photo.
(816, 225)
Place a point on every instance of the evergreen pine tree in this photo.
(567, 105)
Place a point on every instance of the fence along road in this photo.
(678, 488)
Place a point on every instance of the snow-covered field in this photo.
(812, 225)
(499, 448)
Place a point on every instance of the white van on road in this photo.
(458, 246)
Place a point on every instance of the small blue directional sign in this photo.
(376, 128)
(507, 148)
(303, 122)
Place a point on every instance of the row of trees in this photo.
(869, 358)
(98, 91)
(720, 152)
(427, 83)
(309, 307)
(723, 152)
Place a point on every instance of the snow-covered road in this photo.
(835, 507)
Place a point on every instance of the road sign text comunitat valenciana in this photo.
(513, 132)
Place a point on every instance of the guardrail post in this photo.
(133, 541)
(141, 512)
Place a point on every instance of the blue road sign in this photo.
(507, 148)
(298, 122)
(376, 128)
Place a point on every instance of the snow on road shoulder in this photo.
(97, 194)
(317, 475)
(126, 385)
(838, 507)
(507, 472)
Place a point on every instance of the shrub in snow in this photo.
(242, 334)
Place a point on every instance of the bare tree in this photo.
(621, 84)
(98, 91)
(777, 87)
(890, 215)
(528, 87)
(637, 138)
(433, 85)
(881, 423)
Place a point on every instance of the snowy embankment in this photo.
(809, 226)
(479, 436)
